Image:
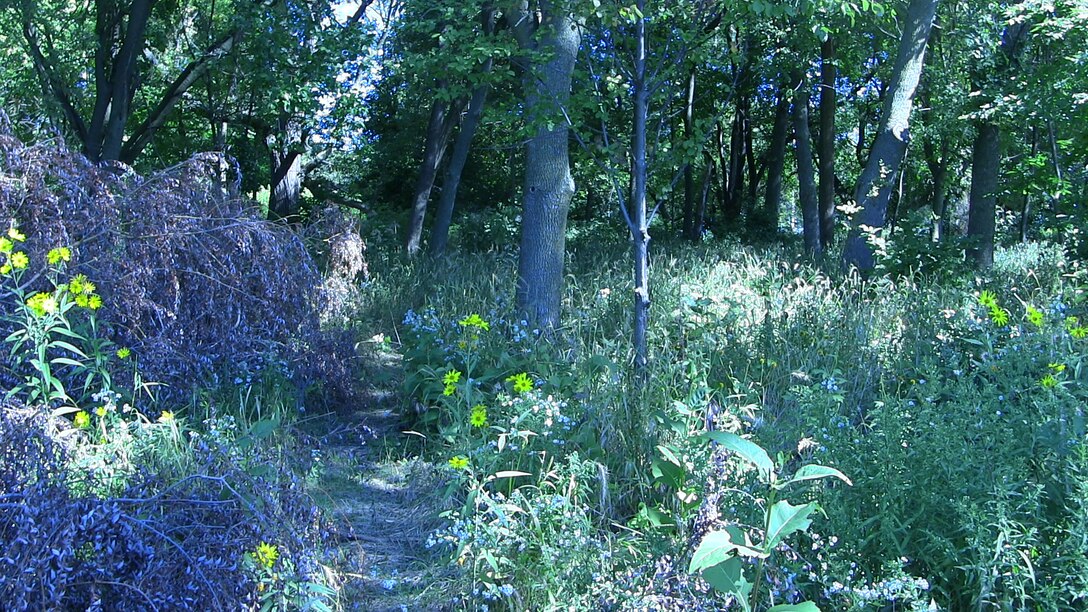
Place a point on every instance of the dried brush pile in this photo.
(193, 279)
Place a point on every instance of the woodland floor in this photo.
(382, 500)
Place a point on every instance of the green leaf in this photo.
(728, 577)
(786, 519)
(815, 472)
(718, 547)
(748, 450)
(68, 347)
(510, 474)
(807, 606)
(668, 473)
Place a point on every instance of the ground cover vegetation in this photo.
(638, 305)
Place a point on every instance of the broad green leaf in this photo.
(718, 547)
(748, 450)
(728, 577)
(669, 455)
(815, 472)
(807, 606)
(66, 361)
(668, 473)
(656, 517)
(786, 519)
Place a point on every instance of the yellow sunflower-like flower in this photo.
(1034, 316)
(19, 260)
(459, 462)
(267, 554)
(987, 299)
(82, 420)
(16, 235)
(479, 416)
(124, 352)
(59, 254)
(166, 417)
(522, 382)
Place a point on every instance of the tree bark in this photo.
(440, 233)
(637, 216)
(776, 159)
(985, 171)
(826, 144)
(689, 171)
(434, 148)
(806, 174)
(549, 185)
(877, 180)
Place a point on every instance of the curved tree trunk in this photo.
(689, 171)
(549, 185)
(438, 136)
(877, 180)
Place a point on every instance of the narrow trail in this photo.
(383, 506)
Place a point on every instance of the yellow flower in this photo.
(1079, 332)
(16, 235)
(267, 554)
(5, 269)
(474, 320)
(1034, 316)
(94, 302)
(1049, 381)
(83, 301)
(1057, 367)
(479, 416)
(459, 462)
(166, 417)
(452, 377)
(82, 420)
(19, 260)
(57, 255)
(6, 245)
(123, 352)
(101, 411)
(999, 316)
(522, 383)
(449, 390)
(41, 303)
(987, 299)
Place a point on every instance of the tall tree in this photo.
(826, 143)
(877, 179)
(549, 32)
(806, 175)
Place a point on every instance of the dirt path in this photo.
(383, 507)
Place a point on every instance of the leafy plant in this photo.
(724, 557)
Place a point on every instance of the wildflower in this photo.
(19, 260)
(42, 303)
(1057, 367)
(100, 411)
(124, 352)
(94, 302)
(479, 416)
(6, 245)
(166, 417)
(83, 301)
(999, 316)
(1079, 333)
(459, 462)
(987, 299)
(1049, 381)
(452, 377)
(267, 554)
(59, 254)
(82, 420)
(522, 383)
(475, 321)
(16, 235)
(1034, 316)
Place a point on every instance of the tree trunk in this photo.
(985, 171)
(434, 148)
(776, 159)
(549, 185)
(637, 217)
(877, 180)
(286, 188)
(440, 233)
(689, 171)
(806, 175)
(826, 143)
